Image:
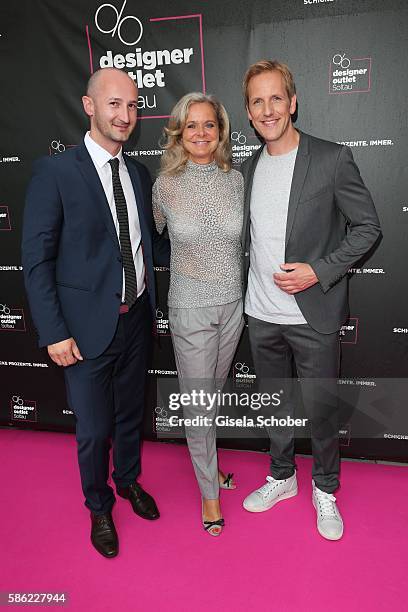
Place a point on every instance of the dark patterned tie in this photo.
(124, 236)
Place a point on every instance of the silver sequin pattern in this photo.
(202, 208)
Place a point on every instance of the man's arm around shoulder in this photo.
(160, 242)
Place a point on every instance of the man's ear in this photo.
(88, 105)
(292, 108)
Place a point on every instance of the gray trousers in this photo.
(275, 349)
(205, 340)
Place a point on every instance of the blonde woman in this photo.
(200, 199)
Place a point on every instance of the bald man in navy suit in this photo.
(88, 244)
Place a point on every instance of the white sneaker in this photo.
(271, 493)
(329, 521)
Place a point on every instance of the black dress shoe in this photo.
(142, 503)
(103, 535)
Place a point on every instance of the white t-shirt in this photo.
(268, 213)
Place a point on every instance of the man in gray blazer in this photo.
(308, 218)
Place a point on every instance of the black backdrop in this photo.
(349, 58)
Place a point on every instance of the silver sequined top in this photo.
(202, 207)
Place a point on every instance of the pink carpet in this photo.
(270, 561)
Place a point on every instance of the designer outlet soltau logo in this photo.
(22, 409)
(11, 319)
(162, 322)
(241, 149)
(115, 25)
(243, 376)
(349, 75)
(161, 421)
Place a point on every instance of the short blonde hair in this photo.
(269, 66)
(175, 157)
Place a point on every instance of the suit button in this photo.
(118, 295)
(119, 258)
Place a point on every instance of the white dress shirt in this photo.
(100, 158)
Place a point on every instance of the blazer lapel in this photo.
(299, 175)
(90, 175)
(249, 178)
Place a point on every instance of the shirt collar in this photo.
(99, 155)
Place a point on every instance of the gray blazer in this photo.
(332, 222)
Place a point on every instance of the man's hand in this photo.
(300, 278)
(65, 353)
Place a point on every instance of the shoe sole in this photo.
(112, 556)
(280, 498)
(326, 537)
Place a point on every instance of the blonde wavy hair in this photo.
(175, 157)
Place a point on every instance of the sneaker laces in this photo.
(327, 503)
(269, 486)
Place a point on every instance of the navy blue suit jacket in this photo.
(71, 254)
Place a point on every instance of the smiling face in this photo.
(201, 134)
(270, 109)
(112, 108)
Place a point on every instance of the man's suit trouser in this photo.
(106, 395)
(274, 350)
